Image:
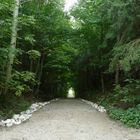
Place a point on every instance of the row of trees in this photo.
(35, 53)
(107, 64)
(95, 47)
(109, 50)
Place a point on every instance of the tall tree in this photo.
(13, 41)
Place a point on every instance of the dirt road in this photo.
(69, 119)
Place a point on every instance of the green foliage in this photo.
(30, 38)
(130, 117)
(43, 30)
(110, 35)
(129, 93)
(127, 55)
(21, 82)
(123, 103)
(34, 54)
(11, 105)
(26, 20)
(84, 49)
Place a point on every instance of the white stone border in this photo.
(95, 105)
(25, 115)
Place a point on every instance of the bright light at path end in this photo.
(69, 4)
(71, 93)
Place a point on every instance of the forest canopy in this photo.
(94, 48)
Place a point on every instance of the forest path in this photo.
(69, 119)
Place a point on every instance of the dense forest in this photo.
(94, 48)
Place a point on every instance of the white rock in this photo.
(16, 116)
(96, 106)
(24, 112)
(41, 104)
(17, 122)
(2, 124)
(25, 115)
(34, 105)
(12, 120)
(7, 121)
(9, 124)
(22, 118)
(28, 112)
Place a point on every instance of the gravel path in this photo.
(69, 120)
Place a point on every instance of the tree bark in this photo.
(31, 65)
(102, 83)
(11, 54)
(40, 73)
(117, 75)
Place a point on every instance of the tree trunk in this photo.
(40, 73)
(102, 83)
(37, 68)
(13, 43)
(117, 75)
(31, 65)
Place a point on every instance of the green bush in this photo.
(125, 96)
(130, 117)
(12, 104)
(22, 82)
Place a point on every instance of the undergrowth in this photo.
(122, 104)
(12, 105)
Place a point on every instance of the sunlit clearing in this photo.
(69, 4)
(71, 93)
